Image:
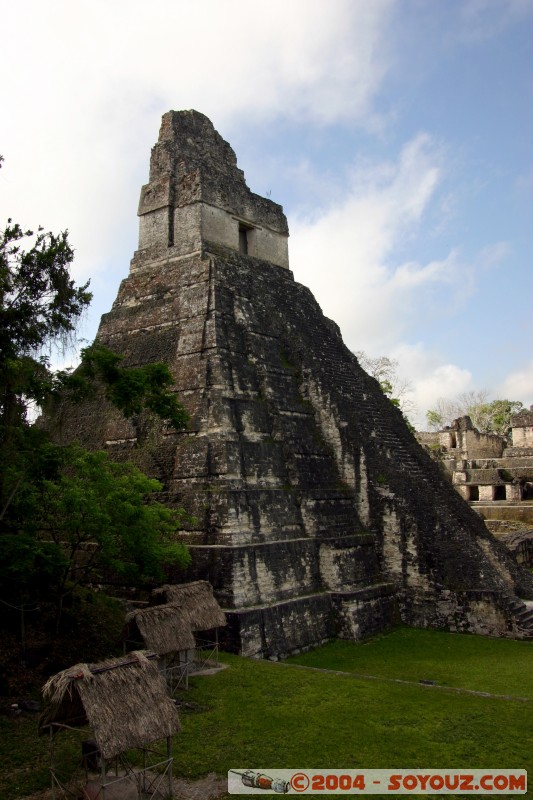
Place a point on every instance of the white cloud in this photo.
(85, 84)
(519, 385)
(430, 376)
(346, 254)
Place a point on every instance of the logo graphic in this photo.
(257, 780)
(300, 782)
(364, 782)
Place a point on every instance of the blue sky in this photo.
(397, 134)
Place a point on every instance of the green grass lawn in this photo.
(263, 715)
(498, 666)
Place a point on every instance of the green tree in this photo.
(434, 419)
(495, 417)
(100, 516)
(131, 389)
(52, 499)
(40, 307)
(385, 371)
(487, 417)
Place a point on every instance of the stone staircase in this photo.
(522, 615)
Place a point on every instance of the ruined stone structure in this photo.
(197, 196)
(318, 512)
(522, 432)
(495, 477)
(482, 466)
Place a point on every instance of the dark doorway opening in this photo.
(243, 239)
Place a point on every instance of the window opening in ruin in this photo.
(244, 230)
(170, 226)
(453, 440)
(474, 493)
(499, 492)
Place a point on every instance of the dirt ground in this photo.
(211, 787)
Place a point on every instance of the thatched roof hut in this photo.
(124, 701)
(163, 629)
(198, 600)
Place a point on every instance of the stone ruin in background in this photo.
(318, 513)
(484, 466)
(495, 476)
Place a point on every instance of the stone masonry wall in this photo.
(196, 194)
(317, 512)
(309, 490)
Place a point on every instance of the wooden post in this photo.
(169, 756)
(102, 776)
(52, 762)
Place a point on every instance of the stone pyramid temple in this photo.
(317, 512)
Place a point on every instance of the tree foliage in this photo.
(66, 513)
(497, 415)
(131, 389)
(39, 307)
(39, 300)
(385, 371)
(487, 417)
(96, 513)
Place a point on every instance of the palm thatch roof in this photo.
(163, 629)
(124, 701)
(198, 600)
